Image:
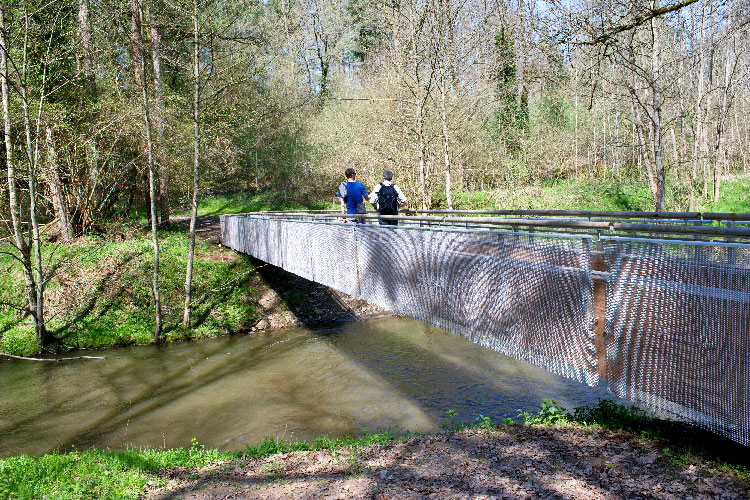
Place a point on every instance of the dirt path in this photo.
(514, 462)
(207, 227)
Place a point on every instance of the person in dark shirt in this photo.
(355, 194)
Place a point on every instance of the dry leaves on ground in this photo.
(514, 462)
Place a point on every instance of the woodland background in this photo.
(116, 109)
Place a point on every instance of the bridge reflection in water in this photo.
(656, 306)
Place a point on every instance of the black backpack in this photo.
(387, 200)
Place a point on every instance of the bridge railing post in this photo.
(599, 279)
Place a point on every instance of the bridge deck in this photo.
(660, 318)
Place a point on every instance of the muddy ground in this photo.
(513, 462)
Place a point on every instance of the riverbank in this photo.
(604, 451)
(511, 462)
(99, 294)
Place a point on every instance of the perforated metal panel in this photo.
(528, 296)
(678, 317)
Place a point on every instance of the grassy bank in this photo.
(256, 201)
(584, 195)
(125, 474)
(100, 294)
(558, 195)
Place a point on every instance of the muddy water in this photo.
(296, 383)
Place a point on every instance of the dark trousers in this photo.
(388, 222)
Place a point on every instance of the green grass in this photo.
(125, 474)
(95, 473)
(271, 446)
(242, 202)
(102, 294)
(565, 194)
(735, 197)
(590, 195)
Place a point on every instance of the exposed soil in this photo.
(286, 299)
(514, 462)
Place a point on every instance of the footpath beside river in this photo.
(510, 462)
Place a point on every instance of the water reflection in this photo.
(296, 383)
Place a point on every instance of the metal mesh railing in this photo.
(677, 332)
(678, 321)
(527, 296)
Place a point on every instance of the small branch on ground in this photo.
(50, 360)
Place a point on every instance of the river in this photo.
(295, 383)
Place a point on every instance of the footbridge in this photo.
(656, 306)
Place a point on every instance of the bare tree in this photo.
(140, 72)
(159, 118)
(14, 201)
(196, 165)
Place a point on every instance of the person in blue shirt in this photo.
(355, 194)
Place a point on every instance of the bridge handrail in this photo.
(614, 214)
(611, 214)
(596, 225)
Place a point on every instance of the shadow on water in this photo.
(235, 391)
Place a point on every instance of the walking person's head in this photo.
(350, 173)
(388, 176)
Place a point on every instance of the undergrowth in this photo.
(682, 442)
(627, 194)
(255, 201)
(100, 294)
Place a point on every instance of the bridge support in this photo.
(600, 320)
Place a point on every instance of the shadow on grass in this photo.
(208, 303)
(464, 466)
(102, 291)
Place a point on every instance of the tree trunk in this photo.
(84, 26)
(721, 153)
(32, 154)
(56, 190)
(642, 145)
(446, 144)
(196, 165)
(700, 115)
(137, 39)
(422, 146)
(709, 98)
(159, 119)
(15, 207)
(656, 103)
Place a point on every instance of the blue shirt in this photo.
(356, 192)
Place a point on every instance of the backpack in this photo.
(387, 200)
(343, 192)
